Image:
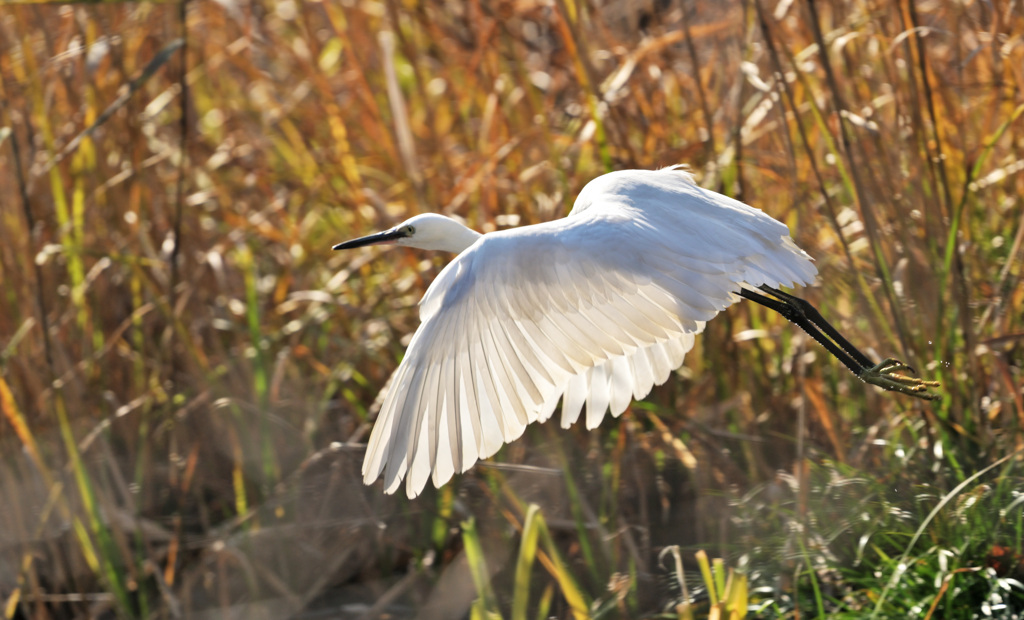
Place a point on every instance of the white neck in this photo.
(457, 238)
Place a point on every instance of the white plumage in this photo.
(594, 309)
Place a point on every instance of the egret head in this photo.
(428, 231)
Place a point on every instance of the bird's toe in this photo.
(887, 375)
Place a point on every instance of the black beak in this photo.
(382, 237)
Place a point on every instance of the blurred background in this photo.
(188, 373)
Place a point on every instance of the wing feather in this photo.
(512, 412)
(531, 357)
(517, 370)
(641, 373)
(492, 436)
(576, 393)
(620, 385)
(597, 400)
(448, 450)
(424, 427)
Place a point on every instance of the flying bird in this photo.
(593, 309)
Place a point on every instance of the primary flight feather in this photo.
(593, 310)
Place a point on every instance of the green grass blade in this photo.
(486, 604)
(524, 564)
(705, 573)
(813, 575)
(557, 568)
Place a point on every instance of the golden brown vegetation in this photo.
(186, 369)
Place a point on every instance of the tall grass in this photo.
(187, 371)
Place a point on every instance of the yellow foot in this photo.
(886, 375)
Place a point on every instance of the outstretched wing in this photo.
(594, 309)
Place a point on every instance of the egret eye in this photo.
(411, 230)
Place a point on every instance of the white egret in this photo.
(593, 309)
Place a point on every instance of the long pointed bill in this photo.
(388, 236)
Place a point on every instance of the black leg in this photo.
(795, 314)
(804, 307)
(805, 316)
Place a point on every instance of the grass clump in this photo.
(887, 546)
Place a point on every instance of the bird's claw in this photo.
(886, 375)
